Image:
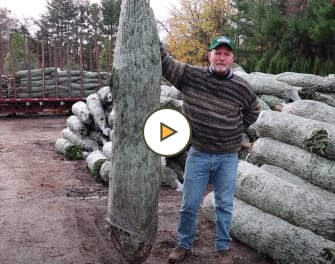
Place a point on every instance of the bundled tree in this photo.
(314, 136)
(288, 201)
(135, 178)
(273, 236)
(313, 168)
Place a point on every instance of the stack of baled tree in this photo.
(314, 87)
(276, 90)
(88, 134)
(285, 199)
(5, 84)
(53, 82)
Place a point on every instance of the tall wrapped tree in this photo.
(134, 182)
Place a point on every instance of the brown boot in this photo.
(178, 254)
(224, 257)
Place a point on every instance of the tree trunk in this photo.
(315, 169)
(272, 236)
(2, 51)
(49, 53)
(110, 55)
(314, 136)
(135, 178)
(292, 203)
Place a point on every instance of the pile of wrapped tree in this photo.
(88, 135)
(276, 90)
(53, 82)
(285, 198)
(5, 83)
(313, 87)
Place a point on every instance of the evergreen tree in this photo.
(7, 25)
(61, 16)
(20, 57)
(322, 30)
(193, 26)
(111, 12)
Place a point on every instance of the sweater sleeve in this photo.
(251, 113)
(172, 69)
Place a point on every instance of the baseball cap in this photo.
(222, 40)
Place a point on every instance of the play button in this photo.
(167, 132)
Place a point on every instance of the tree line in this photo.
(71, 34)
(271, 35)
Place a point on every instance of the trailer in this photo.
(36, 105)
(47, 89)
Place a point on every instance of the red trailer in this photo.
(35, 105)
(15, 98)
(12, 103)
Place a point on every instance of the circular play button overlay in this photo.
(167, 132)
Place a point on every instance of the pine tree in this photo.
(111, 13)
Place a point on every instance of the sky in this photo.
(34, 8)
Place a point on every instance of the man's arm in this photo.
(250, 115)
(172, 69)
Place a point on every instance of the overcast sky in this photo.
(34, 8)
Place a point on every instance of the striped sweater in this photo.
(218, 108)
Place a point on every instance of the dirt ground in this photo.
(52, 210)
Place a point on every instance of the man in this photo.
(219, 106)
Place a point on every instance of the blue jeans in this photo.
(202, 168)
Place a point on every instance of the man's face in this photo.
(221, 59)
